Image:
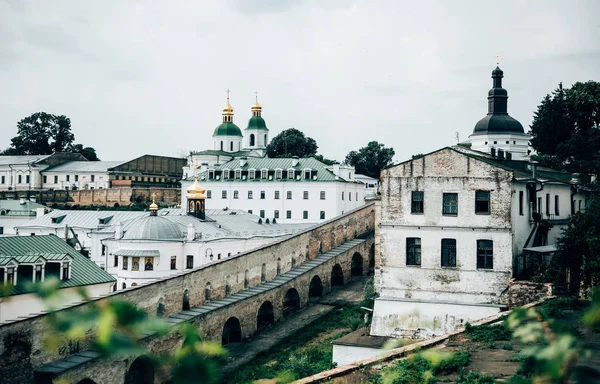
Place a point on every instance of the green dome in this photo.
(227, 129)
(257, 122)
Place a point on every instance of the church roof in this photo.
(497, 120)
(152, 228)
(227, 129)
(257, 122)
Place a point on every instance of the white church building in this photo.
(238, 175)
(456, 225)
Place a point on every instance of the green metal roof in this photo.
(10, 207)
(83, 270)
(227, 129)
(320, 170)
(257, 122)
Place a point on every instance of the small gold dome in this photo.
(154, 206)
(256, 107)
(196, 191)
(228, 109)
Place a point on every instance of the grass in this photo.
(488, 334)
(423, 367)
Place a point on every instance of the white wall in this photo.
(26, 304)
(101, 180)
(347, 354)
(8, 222)
(11, 177)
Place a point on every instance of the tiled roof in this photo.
(84, 166)
(272, 164)
(83, 270)
(23, 159)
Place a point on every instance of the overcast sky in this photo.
(150, 77)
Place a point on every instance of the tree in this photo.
(325, 160)
(566, 128)
(43, 134)
(370, 160)
(292, 142)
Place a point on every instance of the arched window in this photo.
(263, 273)
(265, 140)
(278, 266)
(231, 146)
(227, 286)
(252, 140)
(124, 285)
(186, 300)
(207, 292)
(160, 309)
(221, 145)
(246, 278)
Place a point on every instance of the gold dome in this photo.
(154, 207)
(256, 107)
(196, 191)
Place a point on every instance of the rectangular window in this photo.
(10, 276)
(572, 207)
(262, 213)
(65, 271)
(20, 179)
(417, 203)
(223, 194)
(342, 195)
(238, 173)
(135, 263)
(250, 211)
(539, 205)
(251, 174)
(149, 264)
(262, 195)
(27, 179)
(226, 174)
(482, 202)
(305, 195)
(556, 205)
(55, 179)
(290, 174)
(3, 179)
(276, 214)
(189, 261)
(68, 177)
(547, 204)
(76, 177)
(209, 194)
(322, 195)
(448, 252)
(93, 178)
(322, 215)
(278, 173)
(236, 194)
(250, 195)
(264, 173)
(521, 197)
(116, 261)
(45, 179)
(125, 263)
(276, 195)
(289, 195)
(173, 263)
(356, 196)
(305, 215)
(413, 251)
(485, 254)
(450, 204)
(288, 214)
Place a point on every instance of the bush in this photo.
(555, 308)
(488, 333)
(473, 377)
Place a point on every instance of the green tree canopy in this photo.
(43, 134)
(370, 160)
(566, 128)
(292, 142)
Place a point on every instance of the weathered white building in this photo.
(23, 173)
(17, 212)
(452, 227)
(33, 259)
(79, 175)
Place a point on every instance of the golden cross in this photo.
(497, 60)
(153, 197)
(256, 96)
(196, 169)
(228, 95)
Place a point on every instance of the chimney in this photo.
(295, 161)
(22, 201)
(118, 230)
(191, 232)
(534, 169)
(39, 212)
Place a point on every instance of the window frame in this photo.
(448, 253)
(485, 255)
(415, 207)
(448, 204)
(413, 251)
(479, 199)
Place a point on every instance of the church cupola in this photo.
(498, 132)
(227, 136)
(196, 197)
(256, 134)
(153, 207)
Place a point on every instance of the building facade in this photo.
(79, 175)
(18, 212)
(23, 173)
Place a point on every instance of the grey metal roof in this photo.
(137, 252)
(23, 159)
(85, 166)
(152, 228)
(15, 208)
(82, 218)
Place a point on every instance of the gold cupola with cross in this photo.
(196, 197)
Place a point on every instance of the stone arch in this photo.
(263, 273)
(134, 284)
(186, 300)
(86, 381)
(141, 371)
(246, 278)
(252, 139)
(278, 266)
(160, 308)
(207, 292)
(372, 258)
(265, 316)
(356, 268)
(291, 301)
(337, 276)
(232, 331)
(315, 288)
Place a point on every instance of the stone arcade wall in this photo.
(21, 342)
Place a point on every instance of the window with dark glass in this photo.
(116, 261)
(55, 179)
(262, 195)
(20, 179)
(288, 214)
(236, 194)
(417, 203)
(305, 195)
(276, 214)
(250, 195)
(262, 213)
(450, 204)
(173, 263)
(305, 215)
(125, 263)
(223, 194)
(485, 254)
(65, 271)
(27, 179)
(556, 205)
(322, 215)
(413, 251)
(448, 252)
(276, 195)
(342, 195)
(547, 204)
(482, 202)
(289, 195)
(68, 177)
(208, 194)
(322, 195)
(189, 261)
(521, 197)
